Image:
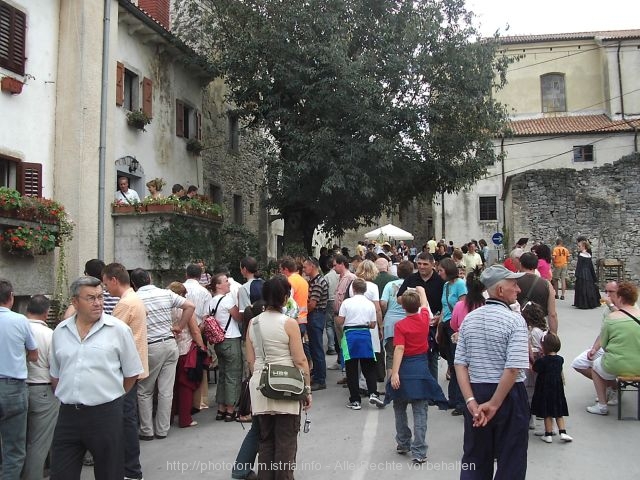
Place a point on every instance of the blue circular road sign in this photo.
(497, 238)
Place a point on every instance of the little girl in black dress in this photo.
(548, 399)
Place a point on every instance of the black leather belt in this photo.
(161, 340)
(32, 384)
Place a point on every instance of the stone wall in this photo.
(601, 203)
(232, 172)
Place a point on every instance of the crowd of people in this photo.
(129, 357)
(126, 195)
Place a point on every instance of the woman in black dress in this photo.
(548, 399)
(587, 294)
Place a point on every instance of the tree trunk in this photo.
(299, 226)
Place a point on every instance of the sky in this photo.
(554, 16)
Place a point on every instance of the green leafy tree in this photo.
(370, 104)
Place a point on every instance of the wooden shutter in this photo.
(198, 125)
(147, 97)
(30, 179)
(13, 30)
(179, 118)
(119, 84)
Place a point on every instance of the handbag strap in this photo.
(256, 326)
(629, 315)
(447, 297)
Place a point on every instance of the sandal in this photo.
(229, 416)
(221, 414)
(243, 418)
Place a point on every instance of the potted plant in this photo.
(28, 241)
(161, 205)
(123, 207)
(194, 146)
(10, 202)
(138, 119)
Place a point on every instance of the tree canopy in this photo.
(370, 103)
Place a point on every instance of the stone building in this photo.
(601, 203)
(574, 103)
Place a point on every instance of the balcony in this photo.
(133, 224)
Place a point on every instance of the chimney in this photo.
(159, 10)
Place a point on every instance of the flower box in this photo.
(160, 208)
(123, 209)
(11, 85)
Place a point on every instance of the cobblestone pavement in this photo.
(356, 445)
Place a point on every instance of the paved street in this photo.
(354, 445)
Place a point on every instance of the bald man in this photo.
(384, 276)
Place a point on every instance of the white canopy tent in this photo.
(388, 232)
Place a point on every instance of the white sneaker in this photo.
(541, 433)
(532, 422)
(612, 397)
(598, 409)
(566, 438)
(335, 366)
(375, 400)
(354, 405)
(546, 439)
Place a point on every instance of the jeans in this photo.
(248, 451)
(97, 429)
(419, 408)
(132, 467)
(305, 345)
(330, 327)
(454, 393)
(163, 357)
(315, 330)
(13, 426)
(41, 422)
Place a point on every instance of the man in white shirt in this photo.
(124, 194)
(93, 363)
(43, 405)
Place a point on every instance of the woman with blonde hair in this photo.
(155, 186)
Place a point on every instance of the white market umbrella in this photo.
(388, 232)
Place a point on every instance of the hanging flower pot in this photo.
(138, 119)
(11, 85)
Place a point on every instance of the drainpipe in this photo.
(442, 221)
(504, 210)
(620, 79)
(103, 125)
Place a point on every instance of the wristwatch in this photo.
(307, 389)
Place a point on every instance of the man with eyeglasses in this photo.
(93, 363)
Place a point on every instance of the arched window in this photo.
(553, 93)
